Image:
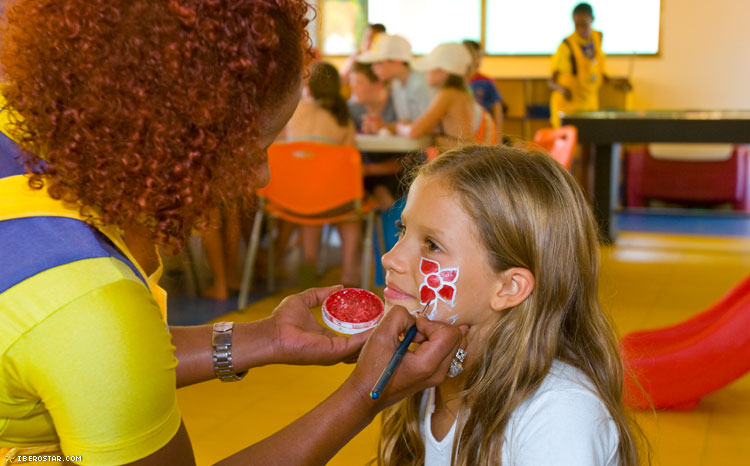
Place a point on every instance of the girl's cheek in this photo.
(438, 290)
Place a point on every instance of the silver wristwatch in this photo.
(221, 340)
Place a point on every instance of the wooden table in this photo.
(606, 131)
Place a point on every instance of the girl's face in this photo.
(436, 78)
(439, 257)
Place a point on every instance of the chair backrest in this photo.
(560, 143)
(310, 177)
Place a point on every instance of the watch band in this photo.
(221, 340)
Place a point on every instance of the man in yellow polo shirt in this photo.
(577, 68)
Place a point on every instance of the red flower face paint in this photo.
(439, 284)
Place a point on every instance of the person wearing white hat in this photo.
(391, 61)
(453, 114)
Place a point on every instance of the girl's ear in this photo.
(514, 286)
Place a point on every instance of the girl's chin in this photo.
(414, 308)
(411, 307)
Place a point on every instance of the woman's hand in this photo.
(298, 338)
(426, 366)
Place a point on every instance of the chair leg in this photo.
(367, 250)
(249, 266)
(325, 240)
(271, 281)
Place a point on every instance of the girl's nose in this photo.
(393, 260)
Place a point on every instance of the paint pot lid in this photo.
(352, 310)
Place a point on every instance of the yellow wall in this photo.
(704, 59)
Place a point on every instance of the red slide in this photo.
(675, 366)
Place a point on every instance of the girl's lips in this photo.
(394, 293)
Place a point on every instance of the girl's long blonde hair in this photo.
(529, 212)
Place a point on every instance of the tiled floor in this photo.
(647, 280)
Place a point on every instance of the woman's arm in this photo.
(555, 86)
(430, 118)
(291, 335)
(320, 433)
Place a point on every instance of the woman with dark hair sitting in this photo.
(454, 116)
(323, 116)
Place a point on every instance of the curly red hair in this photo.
(147, 110)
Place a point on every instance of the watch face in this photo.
(223, 326)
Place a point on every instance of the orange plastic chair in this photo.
(311, 184)
(560, 143)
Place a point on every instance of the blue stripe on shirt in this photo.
(31, 245)
(9, 150)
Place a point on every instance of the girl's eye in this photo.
(431, 246)
(401, 228)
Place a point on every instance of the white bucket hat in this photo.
(388, 47)
(453, 58)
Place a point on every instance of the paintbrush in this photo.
(393, 363)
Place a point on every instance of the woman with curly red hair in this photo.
(124, 123)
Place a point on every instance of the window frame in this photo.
(320, 16)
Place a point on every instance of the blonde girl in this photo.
(503, 240)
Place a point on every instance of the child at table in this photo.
(370, 99)
(484, 88)
(503, 240)
(371, 106)
(454, 113)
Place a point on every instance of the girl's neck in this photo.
(448, 403)
(448, 394)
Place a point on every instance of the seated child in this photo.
(370, 99)
(391, 62)
(370, 107)
(484, 88)
(503, 240)
(458, 118)
(323, 116)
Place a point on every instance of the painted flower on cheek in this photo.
(439, 283)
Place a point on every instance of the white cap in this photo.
(453, 58)
(387, 47)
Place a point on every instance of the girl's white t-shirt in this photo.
(564, 423)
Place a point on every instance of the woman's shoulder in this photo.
(451, 93)
(51, 262)
(303, 110)
(32, 245)
(455, 97)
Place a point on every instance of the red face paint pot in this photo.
(352, 310)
